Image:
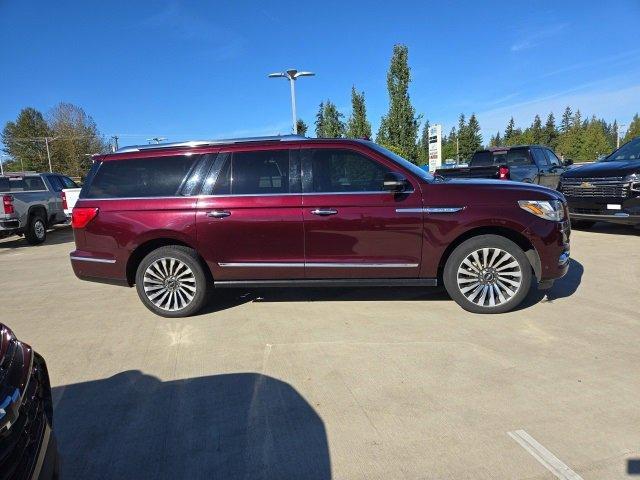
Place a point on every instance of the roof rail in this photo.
(20, 174)
(204, 143)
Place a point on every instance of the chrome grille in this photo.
(603, 187)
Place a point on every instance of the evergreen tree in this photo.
(399, 127)
(423, 145)
(301, 127)
(634, 129)
(329, 122)
(24, 140)
(570, 141)
(469, 137)
(449, 146)
(358, 126)
(594, 142)
(509, 131)
(567, 118)
(496, 140)
(550, 132)
(536, 130)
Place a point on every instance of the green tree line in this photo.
(581, 140)
(67, 136)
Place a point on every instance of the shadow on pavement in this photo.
(562, 288)
(611, 229)
(55, 236)
(223, 299)
(244, 426)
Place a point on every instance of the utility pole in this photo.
(115, 142)
(46, 142)
(292, 75)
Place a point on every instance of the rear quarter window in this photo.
(140, 177)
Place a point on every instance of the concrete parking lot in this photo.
(344, 384)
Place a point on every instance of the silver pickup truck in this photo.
(31, 203)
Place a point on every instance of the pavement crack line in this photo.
(544, 456)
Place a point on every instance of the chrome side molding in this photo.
(430, 210)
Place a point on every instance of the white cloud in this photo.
(538, 37)
(603, 99)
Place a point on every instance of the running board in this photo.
(329, 282)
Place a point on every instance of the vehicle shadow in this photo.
(55, 236)
(223, 299)
(562, 288)
(611, 229)
(243, 425)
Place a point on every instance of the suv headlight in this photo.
(548, 209)
(634, 180)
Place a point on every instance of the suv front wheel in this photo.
(171, 281)
(487, 274)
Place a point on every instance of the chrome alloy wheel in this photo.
(38, 229)
(489, 277)
(169, 284)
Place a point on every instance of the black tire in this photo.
(490, 275)
(166, 279)
(36, 232)
(582, 224)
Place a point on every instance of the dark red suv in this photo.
(178, 219)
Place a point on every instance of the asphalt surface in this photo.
(347, 384)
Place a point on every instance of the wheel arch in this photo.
(147, 247)
(35, 209)
(509, 233)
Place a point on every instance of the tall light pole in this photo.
(292, 75)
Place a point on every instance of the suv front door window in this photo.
(353, 227)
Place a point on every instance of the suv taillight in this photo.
(7, 204)
(64, 200)
(81, 216)
(503, 172)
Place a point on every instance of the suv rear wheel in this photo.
(36, 231)
(487, 274)
(171, 281)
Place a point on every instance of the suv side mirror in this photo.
(395, 182)
(567, 162)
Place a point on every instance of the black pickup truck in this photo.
(607, 190)
(521, 163)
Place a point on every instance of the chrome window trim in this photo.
(94, 260)
(317, 265)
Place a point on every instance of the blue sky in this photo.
(198, 69)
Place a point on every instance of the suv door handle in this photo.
(324, 211)
(218, 213)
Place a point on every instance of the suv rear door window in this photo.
(141, 177)
(263, 172)
(55, 182)
(540, 157)
(338, 171)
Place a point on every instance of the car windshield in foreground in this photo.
(412, 167)
(629, 151)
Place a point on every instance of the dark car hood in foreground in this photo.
(619, 168)
(500, 185)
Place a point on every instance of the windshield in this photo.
(629, 151)
(412, 167)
